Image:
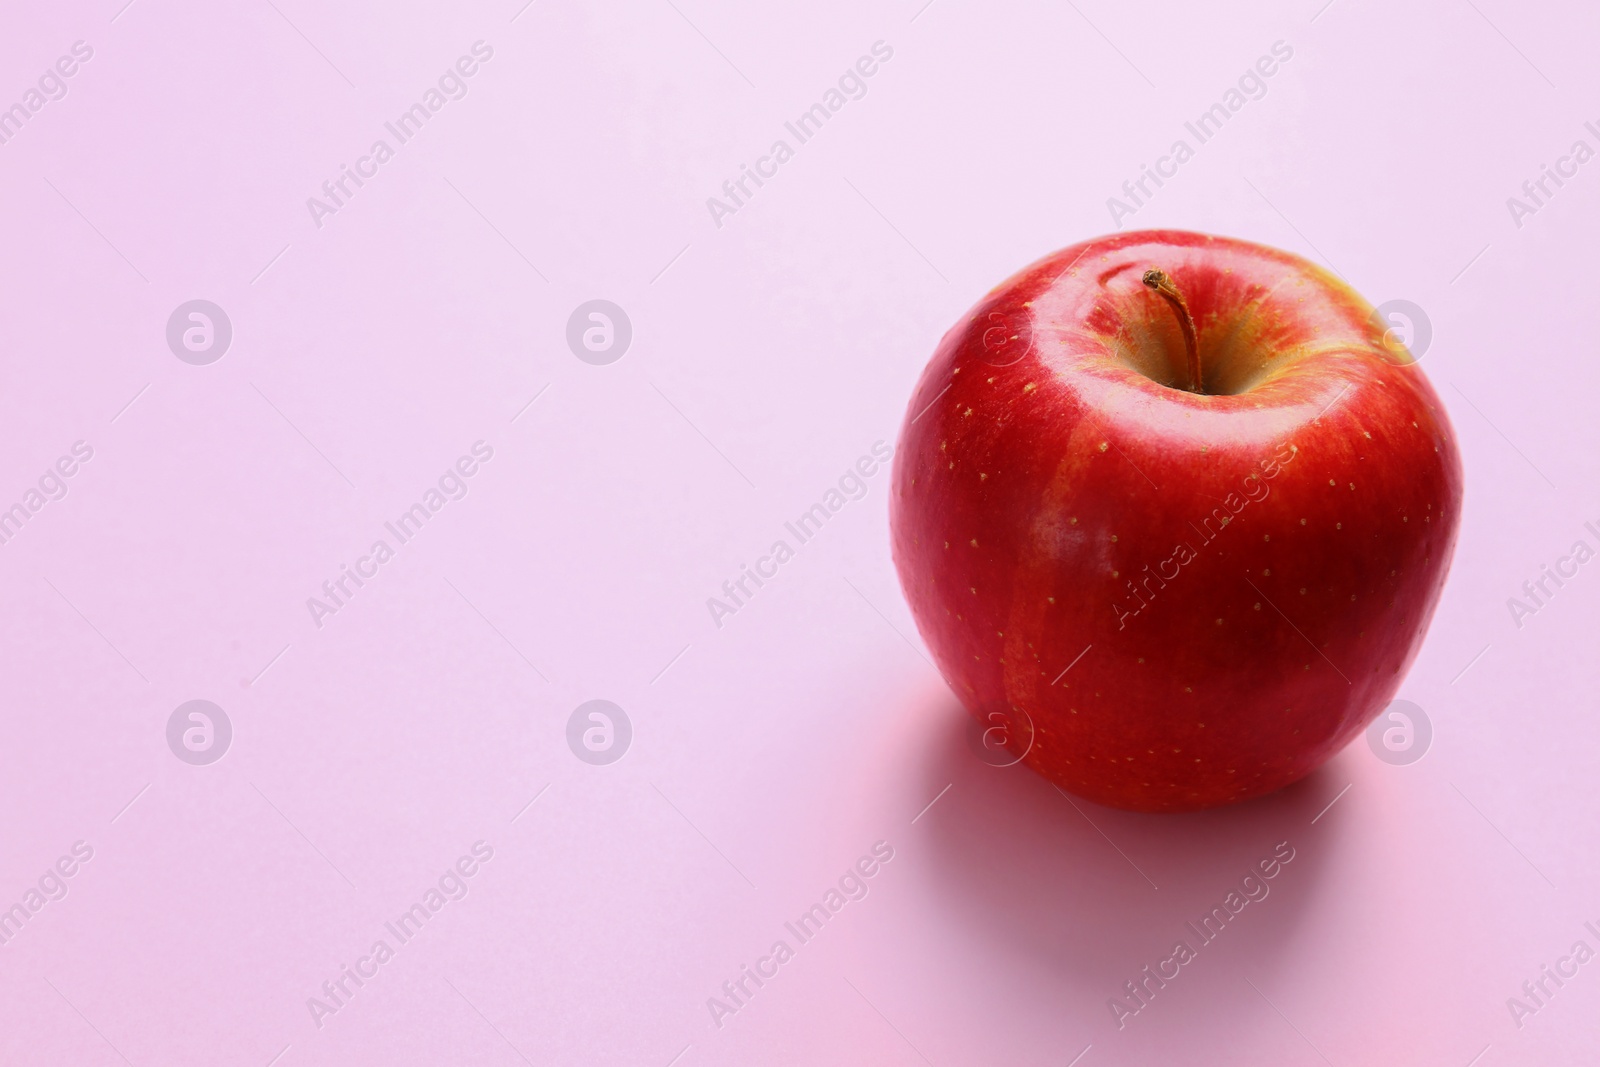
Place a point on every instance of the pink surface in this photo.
(409, 743)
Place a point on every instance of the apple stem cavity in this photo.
(1158, 280)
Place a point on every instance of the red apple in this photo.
(1174, 590)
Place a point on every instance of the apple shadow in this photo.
(1092, 894)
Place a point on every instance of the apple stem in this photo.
(1158, 280)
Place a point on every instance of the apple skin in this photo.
(1042, 469)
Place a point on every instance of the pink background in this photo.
(768, 754)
